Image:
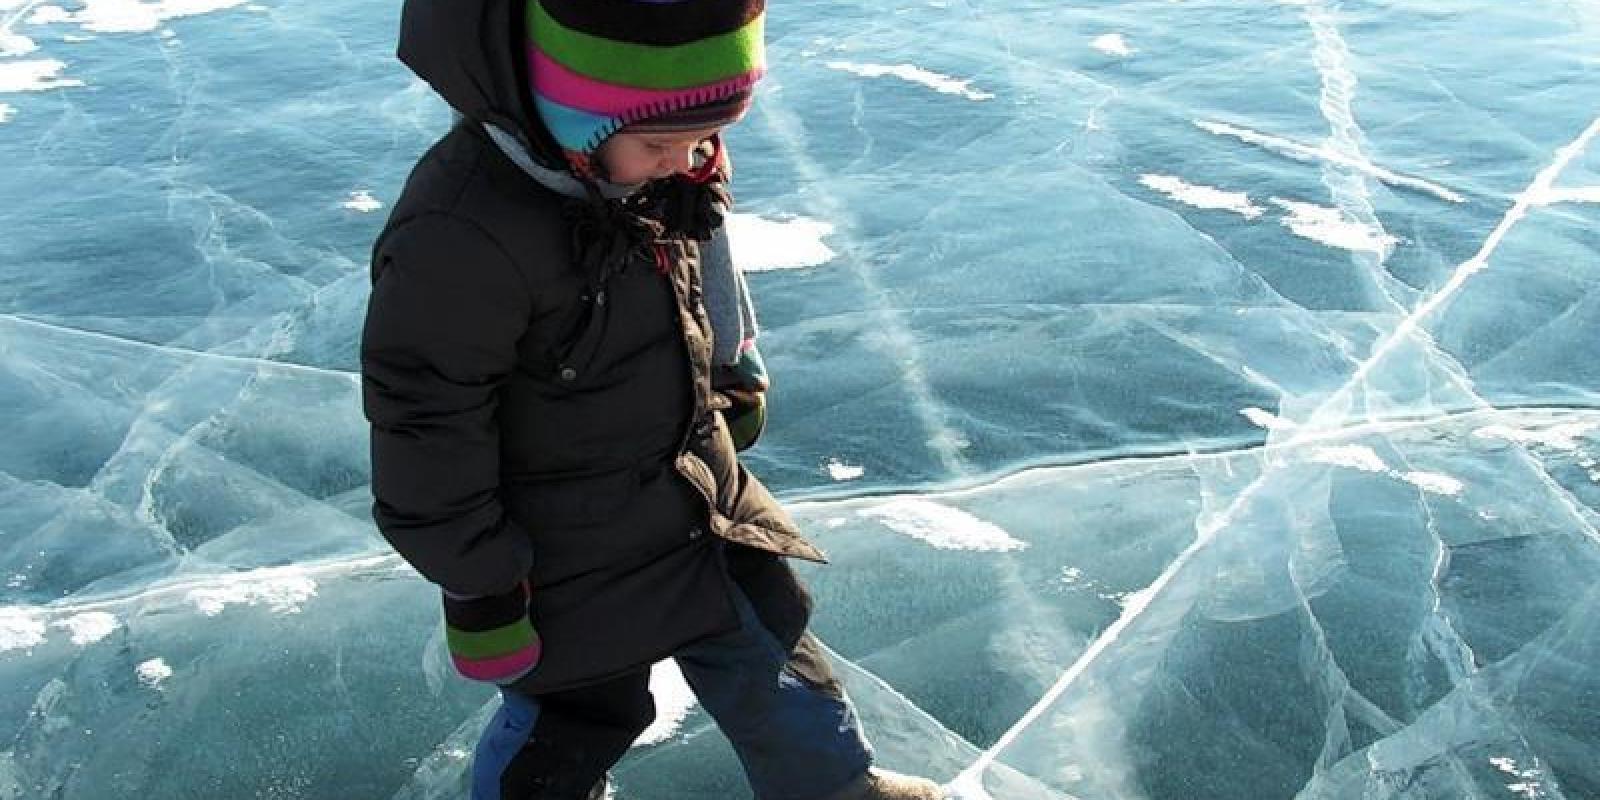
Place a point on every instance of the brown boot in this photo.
(881, 784)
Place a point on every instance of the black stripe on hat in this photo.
(710, 115)
(654, 23)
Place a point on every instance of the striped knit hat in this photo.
(598, 66)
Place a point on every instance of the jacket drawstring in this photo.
(663, 261)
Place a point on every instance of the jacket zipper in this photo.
(664, 263)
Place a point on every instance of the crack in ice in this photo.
(1206, 530)
(940, 435)
(254, 362)
(1303, 152)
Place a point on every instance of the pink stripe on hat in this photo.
(555, 82)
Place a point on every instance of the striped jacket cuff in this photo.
(491, 638)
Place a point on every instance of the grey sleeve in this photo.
(747, 308)
(727, 299)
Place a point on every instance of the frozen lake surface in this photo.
(1199, 399)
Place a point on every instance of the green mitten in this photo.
(745, 384)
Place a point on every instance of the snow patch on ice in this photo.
(132, 16)
(362, 200)
(15, 44)
(1205, 197)
(1262, 418)
(34, 76)
(1112, 44)
(943, 84)
(760, 244)
(151, 673)
(840, 471)
(1353, 456)
(19, 630)
(6, 112)
(1332, 227)
(1365, 459)
(89, 627)
(1561, 436)
(941, 526)
(1528, 785)
(1434, 482)
(282, 594)
(49, 15)
(674, 700)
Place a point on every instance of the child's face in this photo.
(631, 158)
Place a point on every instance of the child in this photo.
(549, 398)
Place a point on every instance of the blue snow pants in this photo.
(797, 738)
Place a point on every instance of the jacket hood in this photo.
(471, 53)
(560, 181)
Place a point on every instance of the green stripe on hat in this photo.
(708, 60)
(501, 641)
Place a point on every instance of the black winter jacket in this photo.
(528, 423)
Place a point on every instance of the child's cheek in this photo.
(620, 168)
